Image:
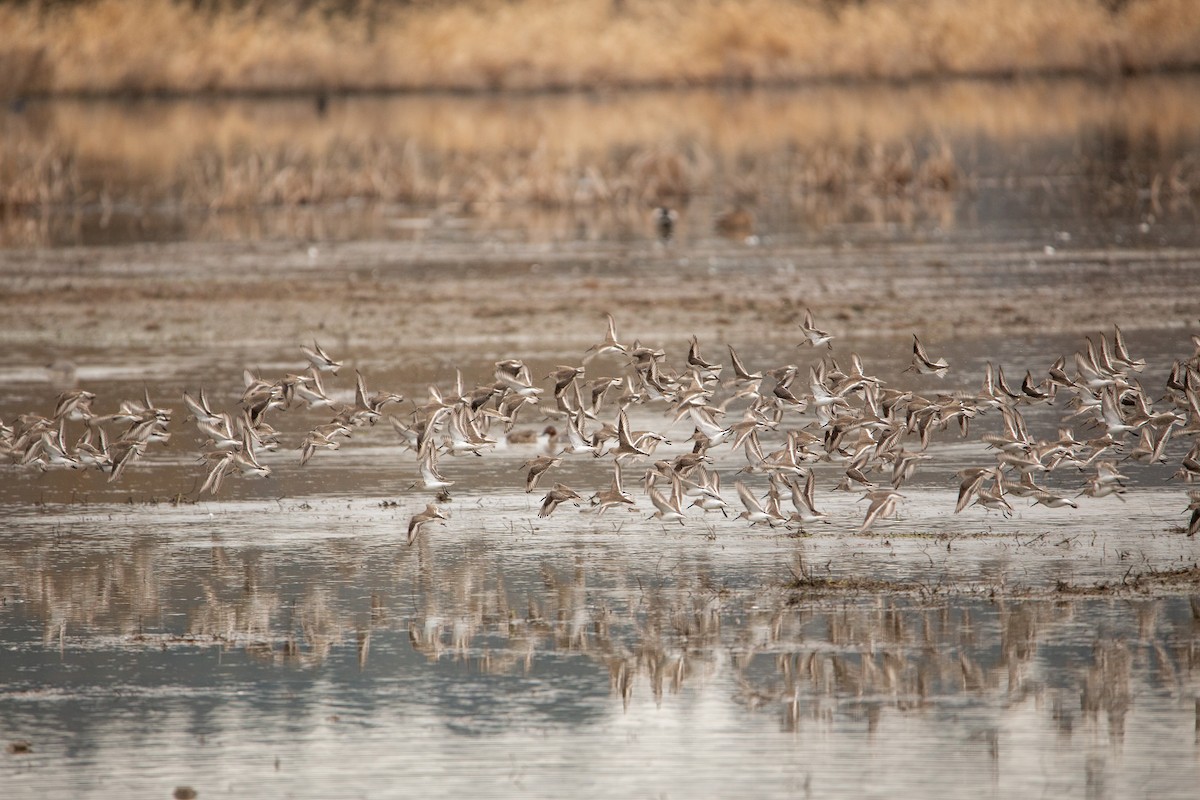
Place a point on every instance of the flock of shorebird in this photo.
(875, 435)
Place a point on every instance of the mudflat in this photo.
(386, 294)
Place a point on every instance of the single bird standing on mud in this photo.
(664, 222)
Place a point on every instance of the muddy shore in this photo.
(387, 294)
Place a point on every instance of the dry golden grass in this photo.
(36, 174)
(114, 46)
(818, 147)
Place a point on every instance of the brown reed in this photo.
(151, 46)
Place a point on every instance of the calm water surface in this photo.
(324, 658)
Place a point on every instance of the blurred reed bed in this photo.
(151, 46)
(639, 177)
(36, 174)
(226, 162)
(834, 150)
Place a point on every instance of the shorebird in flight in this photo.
(923, 364)
(418, 521)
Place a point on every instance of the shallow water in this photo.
(282, 639)
(308, 652)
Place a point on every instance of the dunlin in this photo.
(418, 521)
